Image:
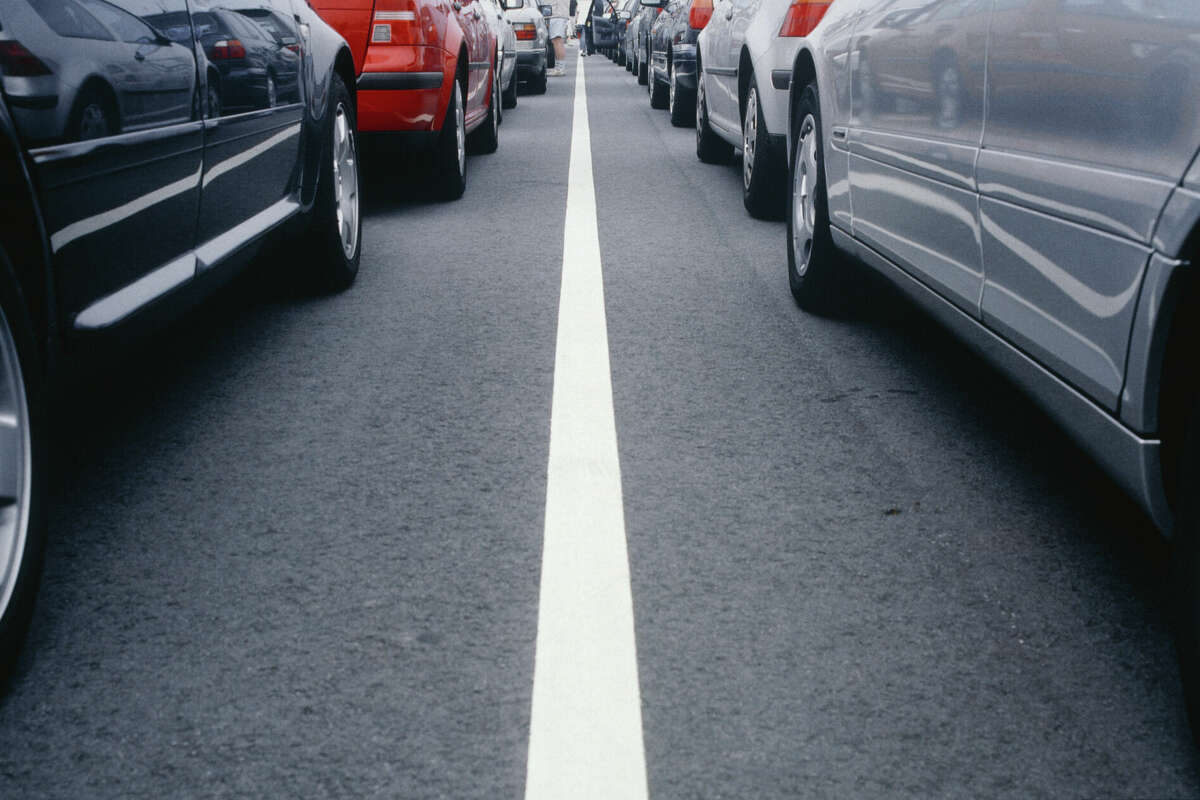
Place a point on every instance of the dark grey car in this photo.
(1026, 171)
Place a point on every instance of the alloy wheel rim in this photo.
(701, 112)
(749, 137)
(671, 90)
(271, 96)
(804, 197)
(345, 182)
(460, 130)
(16, 465)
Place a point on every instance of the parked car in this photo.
(625, 11)
(745, 55)
(672, 58)
(1026, 171)
(529, 26)
(428, 78)
(638, 35)
(506, 39)
(125, 201)
(604, 24)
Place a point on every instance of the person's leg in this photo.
(560, 50)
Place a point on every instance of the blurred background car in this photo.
(638, 34)
(744, 61)
(672, 59)
(129, 197)
(506, 40)
(625, 10)
(532, 42)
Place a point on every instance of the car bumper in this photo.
(775, 66)
(530, 63)
(404, 88)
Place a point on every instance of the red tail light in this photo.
(18, 62)
(526, 31)
(396, 22)
(227, 49)
(700, 13)
(802, 17)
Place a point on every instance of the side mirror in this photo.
(510, 5)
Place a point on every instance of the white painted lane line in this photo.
(585, 738)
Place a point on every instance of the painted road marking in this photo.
(585, 738)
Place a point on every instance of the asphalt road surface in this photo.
(297, 543)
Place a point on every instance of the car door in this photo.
(477, 39)
(253, 114)
(914, 136)
(116, 149)
(720, 68)
(1092, 108)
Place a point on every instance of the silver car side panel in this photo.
(1148, 344)
(1062, 292)
(1133, 461)
(1178, 222)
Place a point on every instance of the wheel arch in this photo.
(804, 72)
(745, 75)
(1179, 373)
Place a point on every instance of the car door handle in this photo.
(140, 56)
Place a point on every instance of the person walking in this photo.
(559, 14)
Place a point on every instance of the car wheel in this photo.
(762, 190)
(450, 154)
(948, 87)
(658, 92)
(681, 107)
(1185, 570)
(814, 266)
(272, 94)
(538, 84)
(331, 248)
(93, 117)
(508, 98)
(22, 470)
(486, 138)
(643, 69)
(710, 148)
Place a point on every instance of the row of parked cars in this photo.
(150, 148)
(1026, 170)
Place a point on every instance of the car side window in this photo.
(70, 19)
(124, 25)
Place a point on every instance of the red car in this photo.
(427, 75)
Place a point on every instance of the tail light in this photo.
(526, 31)
(227, 49)
(17, 62)
(802, 17)
(700, 13)
(396, 22)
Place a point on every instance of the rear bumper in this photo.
(404, 88)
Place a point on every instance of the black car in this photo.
(672, 58)
(147, 148)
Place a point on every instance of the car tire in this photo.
(508, 98)
(815, 268)
(450, 153)
(659, 93)
(550, 54)
(762, 187)
(332, 245)
(681, 107)
(710, 148)
(538, 84)
(1185, 570)
(23, 522)
(486, 138)
(643, 70)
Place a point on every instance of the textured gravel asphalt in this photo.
(295, 541)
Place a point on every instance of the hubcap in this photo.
(345, 182)
(749, 136)
(92, 124)
(701, 111)
(804, 194)
(460, 129)
(270, 91)
(16, 465)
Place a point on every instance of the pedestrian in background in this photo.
(559, 14)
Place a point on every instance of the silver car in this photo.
(529, 25)
(743, 75)
(1026, 170)
(506, 40)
